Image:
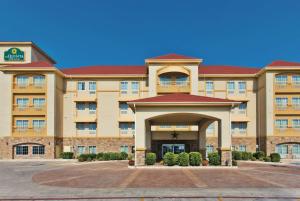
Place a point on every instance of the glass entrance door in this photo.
(175, 148)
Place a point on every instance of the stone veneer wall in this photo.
(250, 142)
(271, 142)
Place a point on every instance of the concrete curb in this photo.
(183, 167)
(269, 163)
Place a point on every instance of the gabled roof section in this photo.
(38, 64)
(182, 98)
(106, 70)
(281, 63)
(220, 69)
(173, 56)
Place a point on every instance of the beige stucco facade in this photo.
(100, 114)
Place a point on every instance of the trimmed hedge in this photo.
(150, 158)
(236, 155)
(195, 158)
(275, 157)
(246, 155)
(183, 159)
(214, 159)
(169, 159)
(259, 154)
(67, 155)
(103, 156)
(87, 157)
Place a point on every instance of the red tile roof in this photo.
(180, 97)
(214, 69)
(280, 63)
(38, 64)
(105, 70)
(173, 56)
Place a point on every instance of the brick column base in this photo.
(140, 157)
(226, 157)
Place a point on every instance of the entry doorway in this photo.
(175, 148)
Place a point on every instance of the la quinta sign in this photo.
(14, 54)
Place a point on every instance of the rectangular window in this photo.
(281, 79)
(38, 125)
(242, 108)
(165, 80)
(22, 125)
(38, 150)
(209, 87)
(38, 81)
(296, 123)
(282, 149)
(21, 150)
(281, 123)
(296, 80)
(239, 127)
(80, 106)
(242, 148)
(22, 81)
(181, 80)
(165, 126)
(124, 128)
(182, 126)
(38, 103)
(230, 87)
(242, 87)
(80, 150)
(92, 106)
(92, 149)
(22, 103)
(81, 86)
(123, 108)
(92, 126)
(296, 149)
(124, 148)
(296, 103)
(210, 129)
(80, 126)
(92, 86)
(281, 103)
(209, 148)
(134, 87)
(124, 87)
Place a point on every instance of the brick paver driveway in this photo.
(118, 175)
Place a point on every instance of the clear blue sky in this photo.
(94, 32)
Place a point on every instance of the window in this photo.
(22, 81)
(92, 126)
(181, 80)
(209, 148)
(22, 125)
(182, 126)
(296, 149)
(81, 86)
(165, 80)
(282, 149)
(38, 125)
(230, 87)
(296, 79)
(210, 129)
(242, 87)
(281, 103)
(281, 79)
(92, 86)
(242, 108)
(239, 127)
(92, 149)
(81, 149)
(38, 102)
(165, 126)
(22, 102)
(124, 87)
(38, 81)
(134, 87)
(123, 108)
(38, 150)
(80, 106)
(80, 126)
(92, 106)
(296, 103)
(22, 150)
(242, 148)
(281, 123)
(209, 87)
(124, 148)
(124, 127)
(296, 123)
(243, 127)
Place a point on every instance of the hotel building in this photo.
(171, 103)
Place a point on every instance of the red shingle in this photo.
(180, 97)
(226, 70)
(39, 64)
(105, 70)
(173, 56)
(280, 63)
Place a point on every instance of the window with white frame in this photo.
(92, 108)
(209, 148)
(296, 149)
(21, 150)
(239, 127)
(296, 80)
(92, 149)
(81, 86)
(38, 81)
(38, 125)
(38, 103)
(181, 80)
(230, 87)
(22, 81)
(92, 86)
(296, 103)
(134, 87)
(242, 108)
(80, 149)
(281, 123)
(281, 103)
(182, 126)
(80, 106)
(165, 80)
(242, 87)
(296, 123)
(126, 127)
(123, 108)
(22, 125)
(242, 148)
(165, 126)
(80, 126)
(281, 79)
(38, 150)
(124, 87)
(209, 87)
(210, 129)
(22, 103)
(282, 149)
(124, 148)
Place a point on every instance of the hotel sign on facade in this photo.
(14, 54)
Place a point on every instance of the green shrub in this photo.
(130, 157)
(195, 158)
(67, 155)
(123, 156)
(176, 159)
(259, 154)
(267, 159)
(99, 156)
(234, 163)
(253, 158)
(236, 155)
(169, 159)
(106, 156)
(183, 159)
(214, 159)
(86, 157)
(246, 155)
(150, 158)
(275, 157)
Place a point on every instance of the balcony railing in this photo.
(238, 132)
(287, 109)
(287, 131)
(86, 132)
(23, 131)
(29, 87)
(287, 86)
(173, 86)
(29, 110)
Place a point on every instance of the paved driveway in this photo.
(61, 179)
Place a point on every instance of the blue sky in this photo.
(94, 32)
